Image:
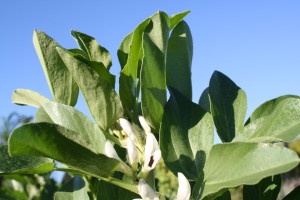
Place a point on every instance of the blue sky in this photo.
(255, 43)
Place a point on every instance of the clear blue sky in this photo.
(255, 43)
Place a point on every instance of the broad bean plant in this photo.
(152, 117)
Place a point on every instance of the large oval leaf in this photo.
(153, 71)
(186, 135)
(61, 144)
(101, 98)
(23, 164)
(62, 86)
(28, 97)
(228, 104)
(275, 119)
(179, 59)
(88, 133)
(75, 189)
(233, 164)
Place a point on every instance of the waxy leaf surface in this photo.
(61, 144)
(101, 98)
(28, 97)
(62, 86)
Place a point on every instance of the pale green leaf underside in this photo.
(28, 97)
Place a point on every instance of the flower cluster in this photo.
(143, 154)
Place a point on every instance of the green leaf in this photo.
(28, 97)
(186, 135)
(23, 164)
(131, 54)
(204, 101)
(61, 144)
(179, 59)
(278, 118)
(267, 189)
(88, 133)
(228, 106)
(124, 49)
(75, 189)
(175, 19)
(102, 100)
(228, 164)
(108, 191)
(294, 195)
(153, 71)
(91, 47)
(62, 86)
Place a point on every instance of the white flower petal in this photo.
(133, 153)
(128, 128)
(152, 154)
(184, 188)
(146, 191)
(111, 152)
(144, 124)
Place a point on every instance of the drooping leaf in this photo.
(267, 189)
(75, 189)
(86, 131)
(228, 164)
(23, 164)
(61, 144)
(278, 119)
(186, 135)
(294, 195)
(124, 49)
(204, 101)
(91, 47)
(153, 71)
(102, 100)
(108, 191)
(179, 59)
(62, 86)
(28, 97)
(175, 19)
(228, 106)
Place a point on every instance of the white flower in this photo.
(146, 191)
(152, 154)
(111, 153)
(133, 154)
(145, 125)
(184, 188)
(129, 130)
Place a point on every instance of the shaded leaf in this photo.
(28, 97)
(23, 164)
(108, 191)
(228, 106)
(186, 135)
(102, 100)
(88, 133)
(61, 144)
(75, 189)
(204, 101)
(62, 86)
(267, 189)
(179, 59)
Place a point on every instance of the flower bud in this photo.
(133, 154)
(146, 191)
(144, 124)
(184, 188)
